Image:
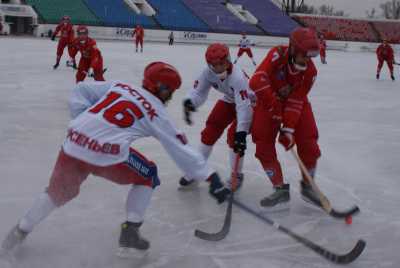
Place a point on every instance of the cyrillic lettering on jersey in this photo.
(151, 112)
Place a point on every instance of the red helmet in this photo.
(159, 74)
(304, 41)
(82, 30)
(217, 53)
(66, 18)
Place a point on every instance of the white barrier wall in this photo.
(110, 33)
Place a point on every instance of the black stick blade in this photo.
(347, 258)
(225, 228)
(343, 214)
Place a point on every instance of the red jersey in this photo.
(88, 49)
(139, 32)
(275, 81)
(66, 30)
(385, 52)
(322, 44)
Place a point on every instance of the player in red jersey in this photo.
(66, 31)
(90, 55)
(281, 83)
(385, 53)
(138, 34)
(322, 49)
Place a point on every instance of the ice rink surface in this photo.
(359, 125)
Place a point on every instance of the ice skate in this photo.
(279, 200)
(131, 243)
(13, 239)
(187, 184)
(308, 194)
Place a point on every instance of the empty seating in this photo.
(51, 11)
(269, 16)
(174, 15)
(218, 18)
(117, 13)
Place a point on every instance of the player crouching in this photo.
(107, 118)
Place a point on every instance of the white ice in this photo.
(359, 125)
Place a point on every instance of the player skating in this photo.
(244, 47)
(107, 118)
(233, 109)
(385, 53)
(90, 56)
(322, 49)
(65, 28)
(282, 82)
(138, 35)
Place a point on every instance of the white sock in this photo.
(41, 208)
(138, 200)
(205, 150)
(232, 159)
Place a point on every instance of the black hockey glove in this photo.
(188, 108)
(239, 145)
(53, 37)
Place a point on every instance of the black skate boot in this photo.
(55, 66)
(131, 243)
(279, 199)
(14, 238)
(309, 195)
(377, 76)
(239, 182)
(392, 76)
(217, 189)
(187, 184)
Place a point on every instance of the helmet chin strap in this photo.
(299, 67)
(222, 75)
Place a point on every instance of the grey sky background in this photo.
(355, 8)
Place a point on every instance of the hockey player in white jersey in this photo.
(234, 108)
(107, 118)
(244, 47)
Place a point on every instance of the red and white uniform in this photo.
(276, 106)
(90, 58)
(138, 33)
(107, 118)
(385, 53)
(234, 104)
(66, 38)
(244, 47)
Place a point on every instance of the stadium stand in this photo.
(218, 18)
(51, 11)
(174, 15)
(270, 17)
(335, 28)
(116, 13)
(389, 30)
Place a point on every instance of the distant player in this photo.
(244, 47)
(138, 34)
(171, 38)
(234, 109)
(385, 53)
(1, 28)
(107, 118)
(322, 49)
(282, 83)
(66, 31)
(90, 55)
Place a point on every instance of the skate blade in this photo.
(131, 253)
(194, 185)
(277, 208)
